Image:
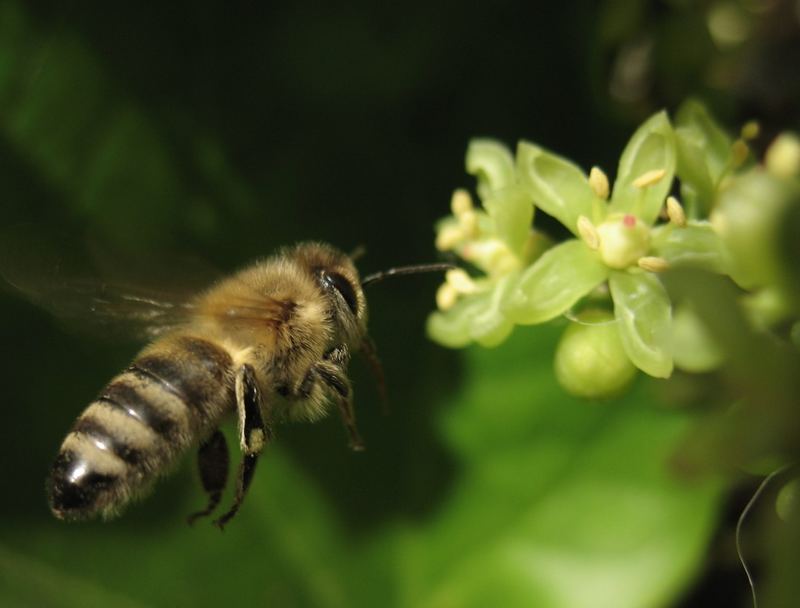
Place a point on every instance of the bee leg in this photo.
(331, 371)
(253, 436)
(212, 460)
(349, 418)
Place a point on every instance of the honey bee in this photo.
(269, 343)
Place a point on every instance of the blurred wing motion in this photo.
(141, 308)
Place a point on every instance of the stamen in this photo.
(449, 237)
(750, 130)
(649, 178)
(598, 182)
(446, 296)
(653, 264)
(739, 152)
(468, 221)
(675, 212)
(460, 280)
(460, 202)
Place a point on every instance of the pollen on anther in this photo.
(628, 220)
(460, 281)
(598, 182)
(653, 264)
(460, 202)
(649, 178)
(675, 212)
(446, 296)
(449, 237)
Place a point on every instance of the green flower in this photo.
(496, 239)
(617, 242)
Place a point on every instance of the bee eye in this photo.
(343, 286)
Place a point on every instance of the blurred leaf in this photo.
(283, 548)
(560, 504)
(108, 159)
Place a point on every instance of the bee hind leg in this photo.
(253, 436)
(212, 460)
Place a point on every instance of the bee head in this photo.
(340, 284)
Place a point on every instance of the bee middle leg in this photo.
(212, 460)
(253, 436)
(332, 373)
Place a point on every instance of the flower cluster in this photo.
(622, 239)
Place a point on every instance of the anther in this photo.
(649, 178)
(598, 182)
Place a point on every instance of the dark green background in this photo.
(224, 133)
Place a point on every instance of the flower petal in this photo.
(490, 326)
(492, 163)
(512, 212)
(643, 309)
(696, 245)
(557, 280)
(452, 327)
(651, 148)
(558, 186)
(693, 117)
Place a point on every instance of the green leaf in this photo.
(512, 212)
(492, 163)
(643, 309)
(285, 524)
(560, 504)
(558, 279)
(558, 186)
(651, 148)
(696, 245)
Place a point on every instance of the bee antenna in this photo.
(402, 270)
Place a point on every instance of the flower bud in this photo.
(590, 359)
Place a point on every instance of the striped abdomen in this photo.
(173, 394)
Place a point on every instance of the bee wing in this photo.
(142, 307)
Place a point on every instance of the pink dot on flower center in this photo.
(629, 221)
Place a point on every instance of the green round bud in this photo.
(590, 359)
(624, 239)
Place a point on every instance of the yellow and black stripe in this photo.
(172, 395)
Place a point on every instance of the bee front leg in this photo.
(212, 460)
(331, 371)
(253, 436)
